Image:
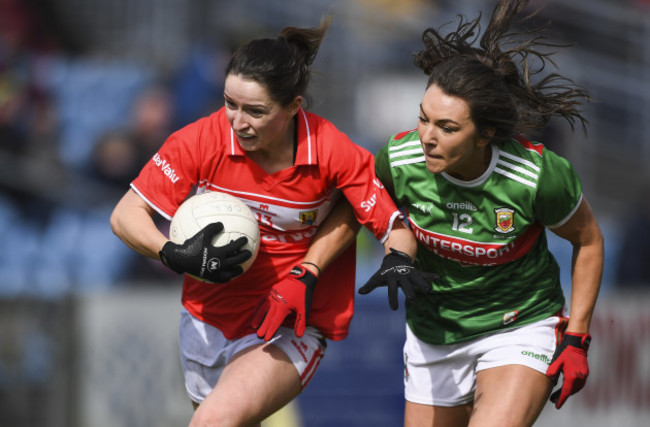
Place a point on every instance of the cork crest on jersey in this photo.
(308, 217)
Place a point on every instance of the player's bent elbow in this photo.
(115, 222)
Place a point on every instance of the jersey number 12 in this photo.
(462, 223)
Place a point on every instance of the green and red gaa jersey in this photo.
(486, 237)
(290, 205)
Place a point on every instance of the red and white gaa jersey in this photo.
(290, 205)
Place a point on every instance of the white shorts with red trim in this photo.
(205, 352)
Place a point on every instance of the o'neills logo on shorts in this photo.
(541, 357)
(165, 167)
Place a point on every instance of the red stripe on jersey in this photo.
(403, 134)
(477, 253)
(252, 197)
(536, 147)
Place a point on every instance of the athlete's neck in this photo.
(279, 155)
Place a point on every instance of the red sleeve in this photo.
(352, 169)
(166, 180)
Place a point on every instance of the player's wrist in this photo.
(167, 256)
(311, 267)
(577, 340)
(304, 275)
(400, 255)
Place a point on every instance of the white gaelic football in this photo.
(205, 208)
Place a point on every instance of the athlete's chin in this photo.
(248, 144)
(435, 166)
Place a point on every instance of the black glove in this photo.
(199, 258)
(397, 271)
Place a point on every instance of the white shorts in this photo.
(205, 352)
(445, 375)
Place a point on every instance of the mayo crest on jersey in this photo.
(485, 237)
(289, 204)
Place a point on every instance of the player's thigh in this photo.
(257, 382)
(420, 415)
(509, 395)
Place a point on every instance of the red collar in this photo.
(306, 154)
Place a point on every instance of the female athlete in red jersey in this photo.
(251, 342)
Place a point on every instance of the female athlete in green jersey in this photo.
(488, 340)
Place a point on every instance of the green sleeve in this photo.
(559, 190)
(382, 169)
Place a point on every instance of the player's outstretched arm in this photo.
(583, 232)
(570, 358)
(397, 270)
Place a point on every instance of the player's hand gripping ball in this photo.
(214, 237)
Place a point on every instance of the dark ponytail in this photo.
(281, 65)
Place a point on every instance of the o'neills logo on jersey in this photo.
(505, 218)
(165, 167)
(308, 217)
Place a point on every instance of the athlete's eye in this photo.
(230, 104)
(422, 120)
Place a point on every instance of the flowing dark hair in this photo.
(281, 65)
(495, 78)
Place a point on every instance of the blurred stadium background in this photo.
(88, 91)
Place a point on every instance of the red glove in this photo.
(292, 294)
(570, 358)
